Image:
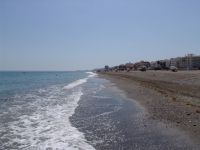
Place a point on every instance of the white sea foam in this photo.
(41, 90)
(101, 97)
(48, 126)
(92, 74)
(80, 81)
(75, 83)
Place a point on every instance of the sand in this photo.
(173, 98)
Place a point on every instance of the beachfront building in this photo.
(141, 64)
(154, 65)
(173, 62)
(122, 67)
(115, 68)
(188, 62)
(129, 66)
(192, 61)
(184, 63)
(157, 65)
(196, 62)
(166, 63)
(160, 65)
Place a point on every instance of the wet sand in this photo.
(173, 98)
(112, 121)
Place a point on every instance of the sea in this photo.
(77, 110)
(35, 110)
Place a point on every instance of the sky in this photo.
(87, 34)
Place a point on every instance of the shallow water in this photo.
(36, 116)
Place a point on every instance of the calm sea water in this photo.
(35, 108)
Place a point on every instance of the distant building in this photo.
(164, 64)
(173, 62)
(141, 64)
(160, 65)
(122, 67)
(195, 62)
(188, 62)
(154, 65)
(167, 63)
(129, 66)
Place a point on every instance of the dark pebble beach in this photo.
(110, 120)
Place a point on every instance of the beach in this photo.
(85, 111)
(111, 120)
(172, 98)
(100, 75)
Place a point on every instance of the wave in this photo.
(49, 126)
(80, 81)
(75, 83)
(101, 97)
(92, 74)
(42, 120)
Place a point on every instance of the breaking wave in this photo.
(75, 83)
(80, 81)
(42, 120)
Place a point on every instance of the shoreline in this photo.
(110, 120)
(172, 98)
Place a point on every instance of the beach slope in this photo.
(173, 98)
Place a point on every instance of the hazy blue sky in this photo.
(84, 34)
